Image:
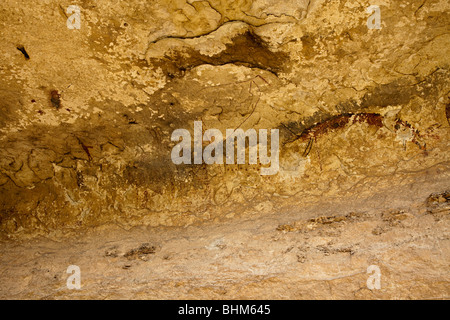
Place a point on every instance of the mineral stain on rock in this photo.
(141, 252)
(24, 52)
(245, 49)
(55, 99)
(331, 123)
(447, 112)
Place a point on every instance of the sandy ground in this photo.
(316, 252)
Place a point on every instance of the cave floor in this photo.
(318, 252)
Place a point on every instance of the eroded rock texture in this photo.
(86, 117)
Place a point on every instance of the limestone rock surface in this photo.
(86, 118)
